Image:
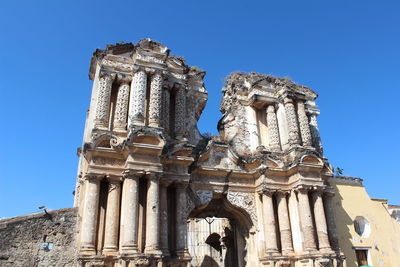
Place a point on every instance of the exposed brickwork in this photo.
(21, 239)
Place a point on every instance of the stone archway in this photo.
(218, 234)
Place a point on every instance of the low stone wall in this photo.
(39, 239)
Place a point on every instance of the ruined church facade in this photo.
(152, 191)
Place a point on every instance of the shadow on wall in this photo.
(209, 262)
(343, 224)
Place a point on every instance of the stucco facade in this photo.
(381, 236)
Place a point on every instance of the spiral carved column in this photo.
(273, 129)
(137, 98)
(121, 107)
(103, 101)
(292, 122)
(155, 100)
(304, 124)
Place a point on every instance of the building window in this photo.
(362, 226)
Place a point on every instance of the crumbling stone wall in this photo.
(39, 239)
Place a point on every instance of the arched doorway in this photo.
(217, 234)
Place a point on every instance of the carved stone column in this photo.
(121, 107)
(292, 122)
(273, 129)
(304, 124)
(130, 206)
(112, 215)
(153, 215)
(90, 214)
(316, 139)
(181, 227)
(284, 223)
(180, 110)
(164, 219)
(137, 98)
(165, 111)
(307, 225)
(103, 101)
(155, 100)
(320, 221)
(271, 244)
(330, 218)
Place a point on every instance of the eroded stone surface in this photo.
(39, 239)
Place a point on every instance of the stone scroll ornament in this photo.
(244, 201)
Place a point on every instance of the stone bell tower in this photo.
(139, 138)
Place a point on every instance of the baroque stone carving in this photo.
(118, 65)
(138, 95)
(155, 99)
(245, 201)
(103, 98)
(292, 122)
(272, 124)
(304, 125)
(180, 108)
(165, 110)
(149, 59)
(121, 107)
(108, 161)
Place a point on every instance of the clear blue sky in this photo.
(347, 51)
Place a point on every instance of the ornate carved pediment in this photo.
(311, 159)
(145, 135)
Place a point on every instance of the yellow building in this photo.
(368, 234)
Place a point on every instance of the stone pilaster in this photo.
(306, 220)
(130, 205)
(284, 223)
(112, 215)
(180, 112)
(155, 100)
(164, 219)
(271, 244)
(320, 221)
(165, 110)
(273, 129)
(304, 124)
(121, 107)
(103, 100)
(181, 226)
(153, 215)
(137, 98)
(90, 214)
(330, 218)
(316, 139)
(292, 122)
